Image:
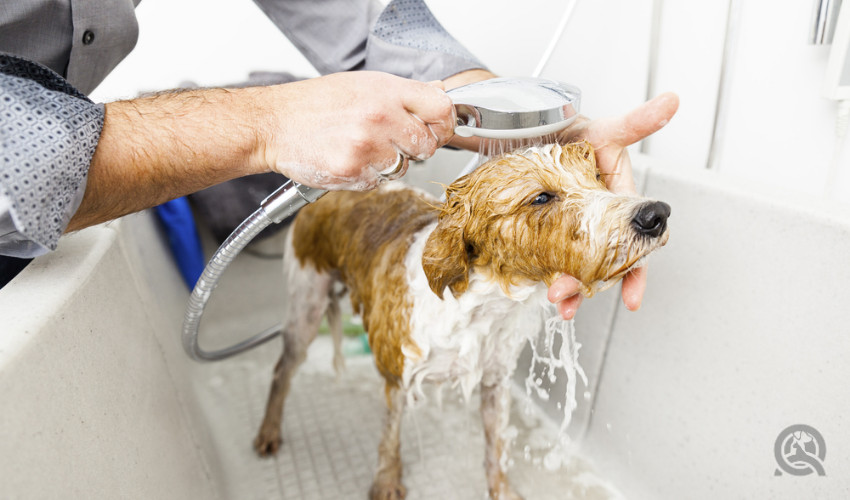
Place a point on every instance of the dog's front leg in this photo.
(387, 483)
(495, 412)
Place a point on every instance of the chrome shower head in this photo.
(514, 108)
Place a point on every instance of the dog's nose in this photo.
(651, 218)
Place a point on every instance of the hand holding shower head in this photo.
(514, 108)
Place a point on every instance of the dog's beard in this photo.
(620, 255)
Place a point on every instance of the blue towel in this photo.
(176, 218)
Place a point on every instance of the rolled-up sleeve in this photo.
(48, 134)
(404, 38)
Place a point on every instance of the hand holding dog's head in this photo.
(533, 214)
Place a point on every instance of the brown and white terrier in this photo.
(451, 292)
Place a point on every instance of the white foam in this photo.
(467, 340)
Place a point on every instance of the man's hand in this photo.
(609, 137)
(342, 131)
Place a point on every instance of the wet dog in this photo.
(451, 292)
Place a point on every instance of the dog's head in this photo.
(533, 214)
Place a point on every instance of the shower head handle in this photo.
(514, 108)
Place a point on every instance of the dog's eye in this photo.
(542, 199)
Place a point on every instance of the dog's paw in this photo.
(339, 364)
(505, 493)
(387, 490)
(267, 443)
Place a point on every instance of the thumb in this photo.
(638, 123)
(438, 83)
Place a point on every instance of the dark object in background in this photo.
(11, 267)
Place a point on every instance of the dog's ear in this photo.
(445, 258)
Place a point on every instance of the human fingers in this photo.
(437, 83)
(467, 77)
(568, 307)
(615, 164)
(396, 170)
(415, 138)
(634, 285)
(444, 131)
(610, 136)
(563, 287)
(564, 294)
(635, 125)
(433, 107)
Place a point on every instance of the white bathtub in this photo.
(742, 334)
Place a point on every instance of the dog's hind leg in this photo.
(334, 315)
(387, 483)
(309, 296)
(495, 412)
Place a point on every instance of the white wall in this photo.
(208, 42)
(778, 126)
(774, 127)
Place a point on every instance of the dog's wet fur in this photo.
(451, 292)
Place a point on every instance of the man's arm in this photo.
(336, 132)
(157, 148)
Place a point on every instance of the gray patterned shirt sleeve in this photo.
(407, 40)
(48, 134)
(343, 35)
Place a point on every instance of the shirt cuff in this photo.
(49, 132)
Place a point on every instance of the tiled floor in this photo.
(332, 426)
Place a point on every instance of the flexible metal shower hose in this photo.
(279, 205)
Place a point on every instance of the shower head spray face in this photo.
(514, 108)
